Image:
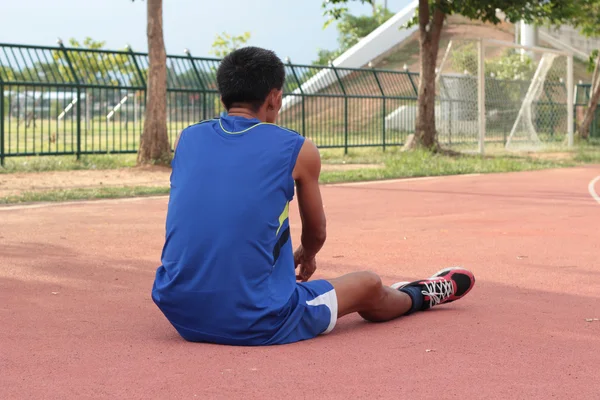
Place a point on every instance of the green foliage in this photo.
(92, 67)
(334, 9)
(507, 77)
(225, 43)
(326, 56)
(430, 19)
(39, 71)
(592, 61)
(542, 12)
(486, 10)
(6, 73)
(584, 14)
(509, 66)
(351, 29)
(465, 59)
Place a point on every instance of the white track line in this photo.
(592, 190)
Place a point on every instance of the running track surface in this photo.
(77, 321)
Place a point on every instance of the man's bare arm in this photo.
(306, 174)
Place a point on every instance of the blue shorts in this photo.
(315, 313)
(311, 311)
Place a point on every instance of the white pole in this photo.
(443, 63)
(570, 100)
(528, 37)
(481, 95)
(67, 109)
(116, 108)
(528, 34)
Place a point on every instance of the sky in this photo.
(292, 28)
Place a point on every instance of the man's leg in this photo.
(364, 293)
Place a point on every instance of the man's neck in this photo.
(245, 113)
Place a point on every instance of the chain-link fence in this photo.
(497, 94)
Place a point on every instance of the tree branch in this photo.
(437, 24)
(595, 75)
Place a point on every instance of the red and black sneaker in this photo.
(446, 286)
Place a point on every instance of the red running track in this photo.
(77, 321)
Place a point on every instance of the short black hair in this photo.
(248, 75)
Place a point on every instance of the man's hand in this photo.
(308, 266)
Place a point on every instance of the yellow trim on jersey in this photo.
(283, 216)
(238, 132)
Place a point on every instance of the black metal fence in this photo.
(58, 100)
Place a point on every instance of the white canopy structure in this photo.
(382, 39)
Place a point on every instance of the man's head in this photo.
(252, 78)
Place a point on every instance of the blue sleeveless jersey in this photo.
(227, 272)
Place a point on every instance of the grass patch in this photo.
(421, 163)
(366, 155)
(84, 194)
(67, 163)
(588, 153)
(397, 164)
(117, 161)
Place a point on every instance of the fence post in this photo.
(570, 116)
(135, 96)
(301, 94)
(137, 67)
(450, 118)
(199, 77)
(78, 122)
(1, 123)
(70, 65)
(481, 95)
(383, 104)
(412, 83)
(577, 89)
(345, 107)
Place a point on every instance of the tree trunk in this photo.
(425, 132)
(429, 43)
(154, 144)
(590, 113)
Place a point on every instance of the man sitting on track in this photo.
(228, 269)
